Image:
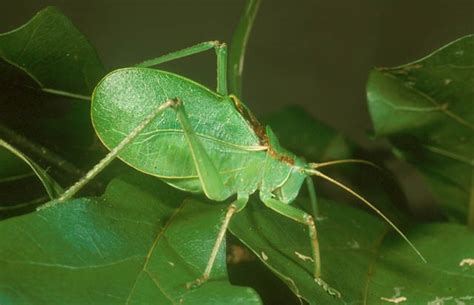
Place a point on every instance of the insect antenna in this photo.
(344, 161)
(370, 205)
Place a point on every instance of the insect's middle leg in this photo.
(304, 218)
(233, 208)
(221, 53)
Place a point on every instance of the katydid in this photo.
(210, 143)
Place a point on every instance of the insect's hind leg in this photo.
(304, 218)
(233, 208)
(207, 172)
(221, 53)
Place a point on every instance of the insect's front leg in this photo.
(304, 218)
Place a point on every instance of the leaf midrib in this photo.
(458, 119)
(150, 253)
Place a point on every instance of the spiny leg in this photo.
(69, 193)
(304, 218)
(233, 208)
(221, 52)
(212, 185)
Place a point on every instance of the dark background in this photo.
(312, 53)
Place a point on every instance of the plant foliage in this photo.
(140, 241)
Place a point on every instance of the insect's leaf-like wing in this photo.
(133, 93)
(426, 110)
(361, 257)
(140, 243)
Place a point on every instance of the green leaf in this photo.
(360, 257)
(48, 55)
(315, 141)
(238, 46)
(140, 243)
(318, 142)
(447, 278)
(284, 246)
(53, 53)
(425, 109)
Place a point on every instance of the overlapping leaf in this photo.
(304, 135)
(360, 257)
(140, 243)
(426, 110)
(53, 53)
(48, 54)
(447, 278)
(44, 56)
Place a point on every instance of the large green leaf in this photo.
(140, 243)
(360, 256)
(53, 53)
(426, 110)
(48, 55)
(447, 277)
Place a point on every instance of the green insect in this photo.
(206, 142)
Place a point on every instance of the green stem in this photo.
(66, 94)
(470, 217)
(239, 45)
